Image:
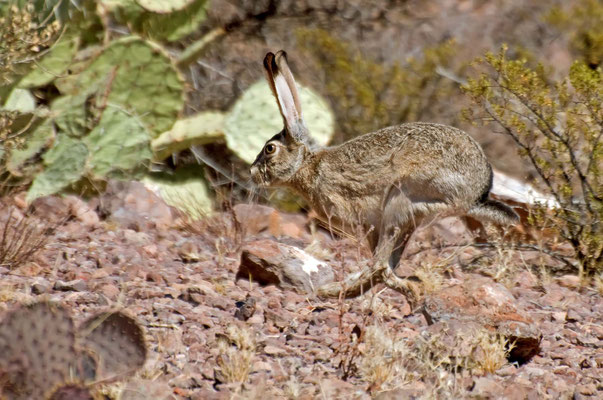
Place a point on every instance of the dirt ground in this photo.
(128, 250)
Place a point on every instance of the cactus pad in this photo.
(255, 118)
(65, 165)
(185, 189)
(118, 143)
(20, 160)
(70, 114)
(137, 75)
(163, 6)
(37, 344)
(203, 128)
(117, 341)
(53, 64)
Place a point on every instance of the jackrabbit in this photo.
(387, 182)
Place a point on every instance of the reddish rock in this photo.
(480, 299)
(132, 205)
(254, 218)
(270, 262)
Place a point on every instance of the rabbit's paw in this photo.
(408, 288)
(354, 284)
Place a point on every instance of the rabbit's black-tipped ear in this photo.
(283, 87)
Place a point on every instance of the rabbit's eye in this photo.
(270, 149)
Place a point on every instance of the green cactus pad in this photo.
(137, 75)
(65, 163)
(20, 100)
(203, 128)
(184, 189)
(163, 6)
(53, 64)
(117, 340)
(119, 143)
(172, 26)
(255, 118)
(37, 343)
(70, 114)
(19, 161)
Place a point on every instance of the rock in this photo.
(188, 251)
(572, 315)
(254, 218)
(82, 211)
(569, 281)
(136, 238)
(110, 291)
(245, 309)
(486, 387)
(77, 285)
(41, 286)
(399, 394)
(270, 262)
(274, 350)
(480, 299)
(132, 205)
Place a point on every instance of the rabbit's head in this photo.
(285, 152)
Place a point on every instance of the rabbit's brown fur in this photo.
(386, 182)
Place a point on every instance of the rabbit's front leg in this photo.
(397, 225)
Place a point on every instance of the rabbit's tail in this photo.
(494, 211)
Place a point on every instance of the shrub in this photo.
(583, 19)
(558, 126)
(367, 95)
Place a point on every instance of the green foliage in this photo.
(367, 95)
(65, 163)
(126, 73)
(584, 19)
(118, 145)
(203, 128)
(255, 118)
(20, 100)
(184, 189)
(159, 20)
(52, 64)
(558, 126)
(21, 160)
(163, 6)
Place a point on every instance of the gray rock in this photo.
(269, 262)
(77, 285)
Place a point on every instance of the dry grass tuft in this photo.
(382, 359)
(237, 349)
(20, 238)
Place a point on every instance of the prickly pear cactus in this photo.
(70, 113)
(53, 64)
(137, 75)
(118, 145)
(203, 128)
(20, 160)
(173, 25)
(37, 344)
(255, 118)
(20, 100)
(163, 6)
(117, 341)
(65, 165)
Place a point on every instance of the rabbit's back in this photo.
(430, 162)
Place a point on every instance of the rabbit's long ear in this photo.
(284, 89)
